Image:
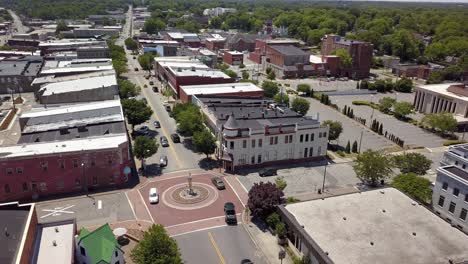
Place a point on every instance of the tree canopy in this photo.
(131, 44)
(153, 25)
(415, 186)
(412, 162)
(263, 198)
(127, 89)
(281, 98)
(188, 117)
(372, 166)
(304, 88)
(204, 142)
(386, 103)
(146, 61)
(300, 105)
(443, 122)
(335, 129)
(156, 247)
(346, 60)
(136, 111)
(270, 88)
(402, 109)
(144, 147)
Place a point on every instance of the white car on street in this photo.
(153, 196)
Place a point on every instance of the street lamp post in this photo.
(85, 180)
(360, 141)
(324, 175)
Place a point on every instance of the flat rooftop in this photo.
(220, 88)
(56, 147)
(200, 72)
(13, 219)
(344, 227)
(289, 50)
(455, 170)
(55, 241)
(315, 59)
(79, 85)
(442, 89)
(53, 79)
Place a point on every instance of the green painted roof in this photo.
(99, 244)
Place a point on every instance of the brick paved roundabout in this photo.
(181, 212)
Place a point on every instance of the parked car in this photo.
(246, 261)
(134, 57)
(151, 83)
(155, 89)
(175, 138)
(267, 172)
(153, 196)
(164, 141)
(230, 212)
(136, 69)
(218, 183)
(143, 128)
(157, 124)
(168, 108)
(163, 161)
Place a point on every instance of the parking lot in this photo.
(88, 211)
(306, 178)
(412, 135)
(351, 129)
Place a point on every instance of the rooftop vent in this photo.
(344, 218)
(56, 229)
(54, 243)
(383, 211)
(371, 243)
(414, 233)
(382, 191)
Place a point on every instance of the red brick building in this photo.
(233, 57)
(360, 52)
(215, 44)
(288, 61)
(262, 44)
(242, 42)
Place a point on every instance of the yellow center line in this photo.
(137, 78)
(220, 256)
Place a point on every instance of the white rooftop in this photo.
(206, 52)
(68, 43)
(83, 144)
(315, 59)
(179, 35)
(194, 71)
(234, 52)
(79, 85)
(223, 88)
(156, 41)
(176, 59)
(348, 241)
(77, 69)
(442, 89)
(56, 243)
(220, 39)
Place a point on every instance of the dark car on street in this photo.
(164, 141)
(157, 124)
(175, 138)
(246, 261)
(218, 183)
(163, 161)
(230, 212)
(267, 172)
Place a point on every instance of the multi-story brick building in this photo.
(215, 44)
(243, 42)
(288, 61)
(233, 57)
(177, 71)
(261, 47)
(17, 74)
(360, 52)
(256, 132)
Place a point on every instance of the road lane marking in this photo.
(131, 206)
(198, 230)
(58, 211)
(237, 195)
(220, 256)
(99, 204)
(143, 201)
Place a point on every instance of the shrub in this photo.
(292, 199)
(341, 153)
(361, 102)
(454, 142)
(273, 219)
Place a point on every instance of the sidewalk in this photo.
(267, 243)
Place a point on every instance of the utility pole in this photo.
(360, 141)
(324, 175)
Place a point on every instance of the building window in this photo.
(252, 160)
(441, 201)
(464, 166)
(19, 170)
(61, 164)
(456, 191)
(260, 141)
(319, 152)
(83, 251)
(276, 140)
(305, 152)
(463, 214)
(259, 158)
(75, 163)
(456, 163)
(244, 143)
(312, 137)
(466, 197)
(43, 186)
(271, 140)
(444, 185)
(452, 207)
(320, 134)
(253, 143)
(7, 188)
(116, 254)
(44, 165)
(25, 187)
(231, 144)
(93, 163)
(94, 180)
(109, 160)
(324, 134)
(77, 182)
(311, 152)
(290, 138)
(307, 138)
(286, 139)
(9, 171)
(301, 138)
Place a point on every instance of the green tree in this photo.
(245, 75)
(372, 166)
(204, 142)
(346, 60)
(144, 147)
(190, 122)
(442, 122)
(412, 162)
(270, 88)
(281, 98)
(415, 186)
(61, 26)
(335, 129)
(402, 109)
(304, 88)
(273, 219)
(436, 77)
(379, 85)
(348, 147)
(136, 111)
(281, 183)
(386, 103)
(216, 22)
(230, 73)
(271, 75)
(436, 51)
(153, 25)
(300, 105)
(156, 247)
(268, 70)
(146, 61)
(355, 147)
(364, 84)
(127, 89)
(404, 85)
(131, 44)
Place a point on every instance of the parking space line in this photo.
(196, 221)
(237, 195)
(198, 230)
(143, 201)
(131, 206)
(220, 256)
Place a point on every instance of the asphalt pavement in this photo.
(225, 245)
